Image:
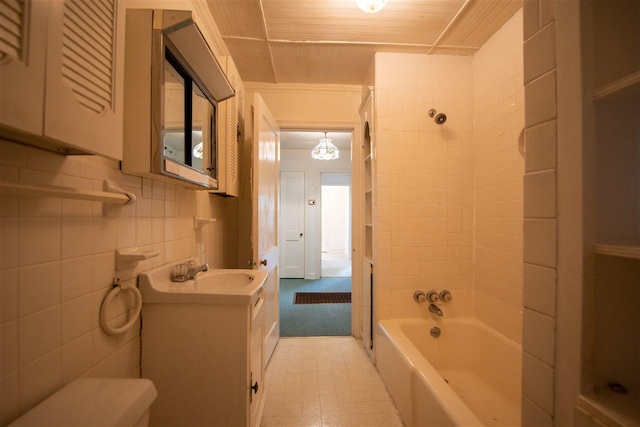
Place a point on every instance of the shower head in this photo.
(439, 118)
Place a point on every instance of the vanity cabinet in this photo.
(61, 71)
(206, 361)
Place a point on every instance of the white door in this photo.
(292, 225)
(264, 230)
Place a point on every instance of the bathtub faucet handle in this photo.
(432, 296)
(419, 296)
(445, 296)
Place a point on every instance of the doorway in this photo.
(315, 209)
(335, 224)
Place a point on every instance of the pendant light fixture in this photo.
(371, 6)
(325, 150)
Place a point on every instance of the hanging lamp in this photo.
(325, 150)
(371, 6)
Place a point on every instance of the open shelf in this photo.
(612, 408)
(624, 91)
(622, 251)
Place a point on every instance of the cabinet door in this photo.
(85, 71)
(23, 32)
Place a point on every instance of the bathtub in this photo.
(469, 376)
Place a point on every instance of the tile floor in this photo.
(325, 381)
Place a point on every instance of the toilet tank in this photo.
(95, 401)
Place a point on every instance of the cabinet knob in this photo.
(255, 387)
(264, 262)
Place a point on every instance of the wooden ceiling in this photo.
(333, 42)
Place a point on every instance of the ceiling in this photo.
(307, 140)
(333, 41)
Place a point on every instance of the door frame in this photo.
(357, 187)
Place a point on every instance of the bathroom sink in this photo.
(225, 286)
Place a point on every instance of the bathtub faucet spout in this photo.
(435, 309)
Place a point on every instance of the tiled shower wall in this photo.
(498, 96)
(57, 263)
(424, 178)
(449, 198)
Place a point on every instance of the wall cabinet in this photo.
(610, 386)
(174, 88)
(231, 134)
(61, 70)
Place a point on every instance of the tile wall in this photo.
(498, 105)
(57, 263)
(424, 178)
(539, 299)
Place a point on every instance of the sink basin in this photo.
(226, 286)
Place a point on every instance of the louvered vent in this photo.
(232, 140)
(88, 51)
(240, 96)
(13, 28)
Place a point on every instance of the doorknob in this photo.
(300, 234)
(264, 262)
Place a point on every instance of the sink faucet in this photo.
(187, 271)
(434, 309)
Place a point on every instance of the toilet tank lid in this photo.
(93, 402)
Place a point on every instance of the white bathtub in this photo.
(469, 376)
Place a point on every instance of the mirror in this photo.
(189, 120)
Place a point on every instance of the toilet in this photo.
(95, 402)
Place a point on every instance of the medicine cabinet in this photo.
(173, 84)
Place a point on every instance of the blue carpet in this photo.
(314, 320)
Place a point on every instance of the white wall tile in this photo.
(540, 96)
(39, 240)
(8, 295)
(75, 318)
(77, 357)
(540, 289)
(8, 242)
(144, 231)
(540, 53)
(61, 250)
(533, 415)
(10, 408)
(9, 348)
(540, 190)
(537, 382)
(38, 334)
(540, 242)
(103, 345)
(75, 237)
(103, 270)
(75, 277)
(547, 11)
(38, 287)
(539, 336)
(40, 379)
(126, 237)
(541, 147)
(104, 235)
